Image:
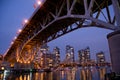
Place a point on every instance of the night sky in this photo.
(13, 12)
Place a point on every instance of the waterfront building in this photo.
(100, 57)
(44, 49)
(84, 55)
(5, 65)
(87, 53)
(36, 60)
(67, 52)
(70, 53)
(46, 58)
(81, 56)
(56, 51)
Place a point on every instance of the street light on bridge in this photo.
(39, 2)
(19, 31)
(12, 42)
(25, 21)
(15, 38)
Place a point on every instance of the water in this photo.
(66, 74)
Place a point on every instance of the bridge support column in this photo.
(114, 46)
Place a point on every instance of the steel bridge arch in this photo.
(68, 19)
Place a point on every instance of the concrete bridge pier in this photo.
(114, 46)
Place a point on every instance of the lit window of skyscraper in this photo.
(70, 53)
(84, 55)
(100, 57)
(56, 51)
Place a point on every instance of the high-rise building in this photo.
(67, 52)
(47, 60)
(56, 51)
(81, 56)
(84, 55)
(87, 54)
(70, 53)
(44, 49)
(100, 57)
(43, 58)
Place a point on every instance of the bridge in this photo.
(55, 18)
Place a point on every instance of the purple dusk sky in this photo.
(13, 12)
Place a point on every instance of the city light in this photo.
(12, 42)
(15, 38)
(33, 55)
(39, 2)
(26, 21)
(2, 68)
(28, 62)
(20, 61)
(19, 31)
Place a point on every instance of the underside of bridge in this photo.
(55, 18)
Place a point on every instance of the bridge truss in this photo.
(58, 17)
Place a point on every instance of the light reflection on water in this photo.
(66, 74)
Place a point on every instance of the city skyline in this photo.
(14, 12)
(69, 51)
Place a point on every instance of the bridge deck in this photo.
(40, 14)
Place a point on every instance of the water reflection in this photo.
(102, 72)
(66, 74)
(86, 74)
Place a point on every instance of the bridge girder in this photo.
(56, 18)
